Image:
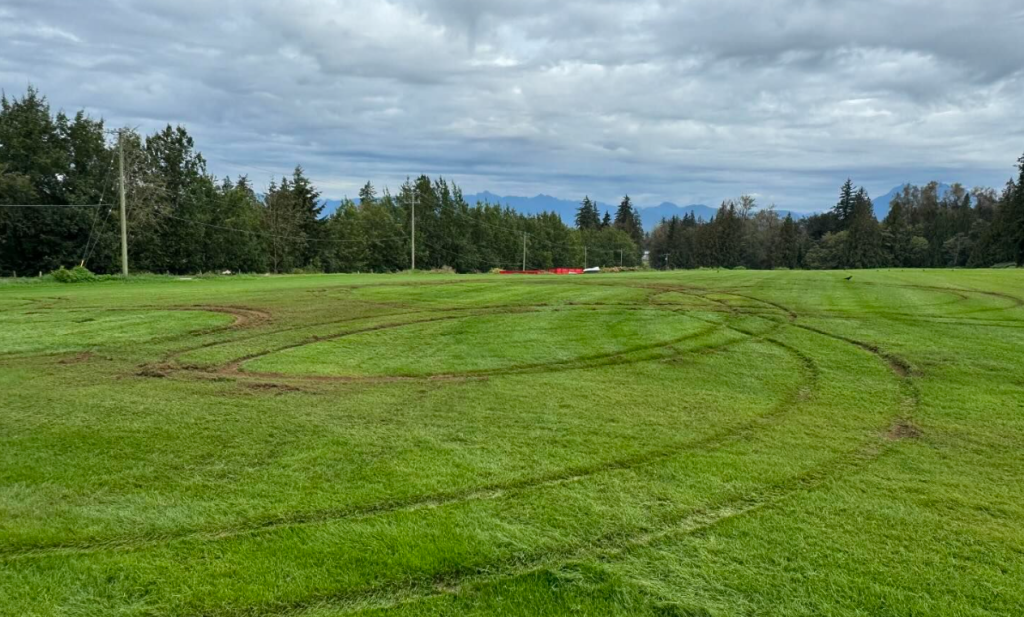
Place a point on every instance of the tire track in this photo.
(493, 491)
(462, 580)
(608, 547)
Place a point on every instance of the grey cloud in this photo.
(685, 101)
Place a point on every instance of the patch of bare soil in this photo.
(270, 388)
(244, 317)
(903, 429)
(78, 358)
(156, 371)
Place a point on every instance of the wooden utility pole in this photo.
(124, 217)
(413, 234)
(524, 251)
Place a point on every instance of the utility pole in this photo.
(124, 218)
(584, 256)
(524, 251)
(413, 230)
(620, 258)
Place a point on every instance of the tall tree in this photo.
(627, 220)
(176, 170)
(897, 231)
(309, 210)
(844, 207)
(587, 216)
(788, 246)
(863, 246)
(48, 160)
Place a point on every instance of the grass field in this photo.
(701, 443)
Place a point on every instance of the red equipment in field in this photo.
(551, 271)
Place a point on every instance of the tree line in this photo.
(182, 219)
(924, 228)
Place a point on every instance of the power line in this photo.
(103, 225)
(461, 256)
(54, 205)
(192, 198)
(103, 195)
(277, 236)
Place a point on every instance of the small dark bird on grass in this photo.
(849, 277)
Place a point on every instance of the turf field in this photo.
(701, 443)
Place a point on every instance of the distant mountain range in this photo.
(650, 215)
(882, 204)
(566, 208)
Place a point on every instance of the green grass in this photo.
(701, 443)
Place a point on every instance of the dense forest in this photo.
(59, 186)
(923, 229)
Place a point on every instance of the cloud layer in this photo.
(688, 101)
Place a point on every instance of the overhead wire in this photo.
(103, 193)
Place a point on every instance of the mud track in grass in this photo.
(692, 521)
(741, 431)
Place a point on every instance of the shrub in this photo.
(78, 274)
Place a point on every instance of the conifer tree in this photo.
(844, 207)
(627, 219)
(587, 217)
(863, 246)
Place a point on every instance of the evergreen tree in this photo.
(844, 207)
(897, 231)
(343, 232)
(305, 199)
(863, 244)
(627, 219)
(47, 160)
(367, 195)
(788, 250)
(178, 192)
(587, 217)
(286, 226)
(237, 243)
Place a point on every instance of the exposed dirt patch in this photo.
(244, 317)
(78, 358)
(270, 388)
(156, 371)
(903, 429)
(899, 366)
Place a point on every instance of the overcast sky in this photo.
(690, 101)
